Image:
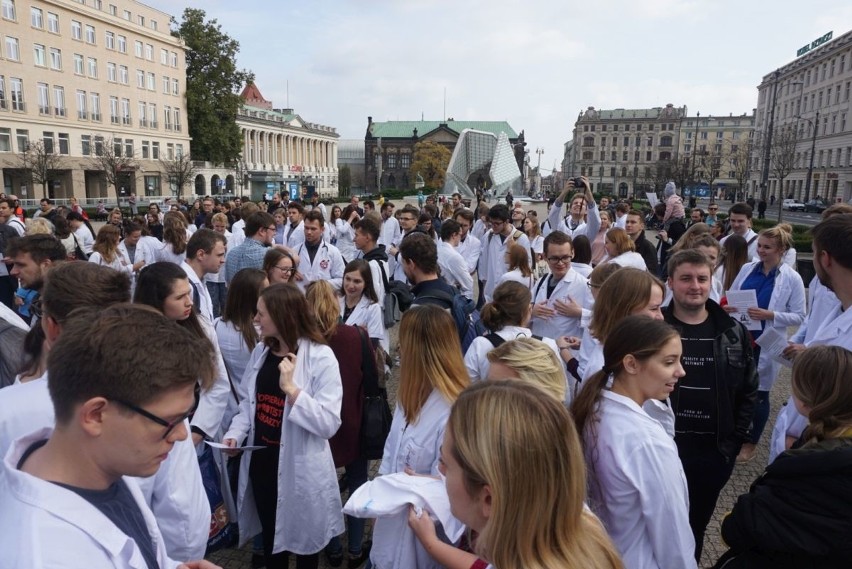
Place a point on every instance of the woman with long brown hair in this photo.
(431, 377)
(293, 408)
(636, 483)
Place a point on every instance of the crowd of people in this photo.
(583, 393)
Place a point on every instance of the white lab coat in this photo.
(235, 355)
(470, 249)
(175, 493)
(390, 232)
(143, 253)
(454, 269)
(120, 263)
(479, 229)
(346, 239)
(835, 329)
(327, 265)
(750, 236)
(629, 259)
(589, 228)
(573, 285)
(368, 314)
(378, 278)
(515, 275)
(788, 304)
(416, 446)
(238, 229)
(476, 357)
(492, 260)
(45, 525)
(211, 406)
(637, 486)
(205, 304)
(309, 506)
(297, 237)
(85, 239)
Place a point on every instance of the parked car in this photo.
(816, 205)
(792, 205)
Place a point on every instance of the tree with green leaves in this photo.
(42, 163)
(213, 83)
(430, 161)
(180, 170)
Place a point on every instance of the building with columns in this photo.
(85, 77)
(811, 100)
(281, 153)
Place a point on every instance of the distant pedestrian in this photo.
(761, 209)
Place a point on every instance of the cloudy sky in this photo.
(535, 64)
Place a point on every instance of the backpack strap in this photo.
(384, 275)
(538, 287)
(750, 241)
(495, 339)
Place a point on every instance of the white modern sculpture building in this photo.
(483, 152)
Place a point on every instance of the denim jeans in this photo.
(356, 475)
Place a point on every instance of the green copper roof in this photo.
(405, 129)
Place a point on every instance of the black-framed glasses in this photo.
(285, 270)
(169, 425)
(559, 260)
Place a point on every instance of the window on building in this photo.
(23, 139)
(155, 151)
(164, 56)
(391, 161)
(154, 25)
(687, 148)
(113, 110)
(86, 144)
(603, 155)
(140, 78)
(665, 155)
(117, 146)
(648, 156)
(146, 149)
(819, 99)
(99, 145)
(36, 17)
(39, 55)
(624, 155)
(833, 124)
(405, 159)
(143, 113)
(125, 111)
(842, 122)
(615, 127)
(95, 99)
(138, 46)
(59, 100)
(9, 10)
(122, 74)
(93, 68)
(128, 147)
(111, 72)
(56, 59)
(5, 140)
(636, 156)
(167, 118)
(589, 141)
(666, 140)
(99, 5)
(613, 155)
(12, 51)
(152, 81)
(166, 85)
(175, 86)
(78, 64)
(612, 171)
(53, 22)
(152, 114)
(43, 90)
(82, 113)
(48, 142)
(703, 135)
(126, 15)
(141, 20)
(64, 143)
(149, 52)
(113, 10)
(90, 34)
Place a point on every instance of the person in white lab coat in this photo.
(492, 261)
(454, 268)
(345, 230)
(432, 375)
(469, 246)
(390, 226)
(493, 490)
(107, 253)
(507, 316)
(66, 492)
(780, 295)
(559, 297)
(636, 483)
(359, 303)
(288, 490)
(318, 260)
(532, 361)
(294, 231)
(165, 287)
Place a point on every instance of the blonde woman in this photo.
(511, 459)
(621, 250)
(636, 483)
(532, 361)
(431, 377)
(175, 237)
(780, 295)
(39, 226)
(107, 253)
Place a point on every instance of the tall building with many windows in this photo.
(714, 153)
(812, 132)
(88, 77)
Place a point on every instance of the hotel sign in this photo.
(814, 44)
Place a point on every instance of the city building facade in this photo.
(389, 148)
(619, 150)
(350, 153)
(80, 79)
(810, 124)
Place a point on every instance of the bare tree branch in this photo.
(115, 164)
(42, 163)
(180, 170)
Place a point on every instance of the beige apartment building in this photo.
(811, 97)
(716, 150)
(84, 75)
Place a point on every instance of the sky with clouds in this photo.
(535, 64)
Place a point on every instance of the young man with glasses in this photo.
(66, 490)
(260, 232)
(559, 297)
(408, 217)
(492, 262)
(712, 218)
(176, 492)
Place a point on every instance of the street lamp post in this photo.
(694, 149)
(764, 179)
(538, 151)
(814, 125)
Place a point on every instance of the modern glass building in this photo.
(483, 160)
